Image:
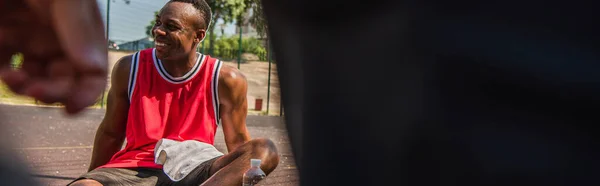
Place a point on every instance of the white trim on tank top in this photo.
(215, 90)
(177, 80)
(133, 74)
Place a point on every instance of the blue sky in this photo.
(128, 22)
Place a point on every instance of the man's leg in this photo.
(228, 169)
(119, 176)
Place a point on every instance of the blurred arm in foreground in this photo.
(64, 49)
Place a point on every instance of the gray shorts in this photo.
(146, 176)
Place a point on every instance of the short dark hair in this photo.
(202, 7)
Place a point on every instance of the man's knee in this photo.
(86, 182)
(266, 150)
(262, 146)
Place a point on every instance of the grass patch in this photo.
(101, 103)
(9, 97)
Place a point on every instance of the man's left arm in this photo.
(233, 106)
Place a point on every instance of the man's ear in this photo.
(200, 35)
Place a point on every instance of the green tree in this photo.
(226, 10)
(151, 25)
(259, 22)
(257, 19)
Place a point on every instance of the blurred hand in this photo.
(64, 47)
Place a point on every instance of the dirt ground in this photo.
(257, 76)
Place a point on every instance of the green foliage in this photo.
(227, 47)
(151, 25)
(16, 60)
(257, 19)
(228, 10)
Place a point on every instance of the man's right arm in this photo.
(111, 132)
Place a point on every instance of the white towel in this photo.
(180, 158)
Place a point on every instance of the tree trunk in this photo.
(211, 34)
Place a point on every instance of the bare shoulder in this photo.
(231, 78)
(120, 72)
(232, 84)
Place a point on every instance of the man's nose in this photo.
(158, 31)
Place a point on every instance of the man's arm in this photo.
(234, 106)
(111, 132)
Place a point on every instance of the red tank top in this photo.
(163, 106)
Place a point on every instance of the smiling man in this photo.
(168, 102)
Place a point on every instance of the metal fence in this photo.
(128, 23)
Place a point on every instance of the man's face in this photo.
(175, 33)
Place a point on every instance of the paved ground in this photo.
(58, 149)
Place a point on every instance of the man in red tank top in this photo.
(171, 99)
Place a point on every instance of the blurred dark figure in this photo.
(440, 92)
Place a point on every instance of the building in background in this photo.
(140, 44)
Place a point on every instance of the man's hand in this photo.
(64, 49)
